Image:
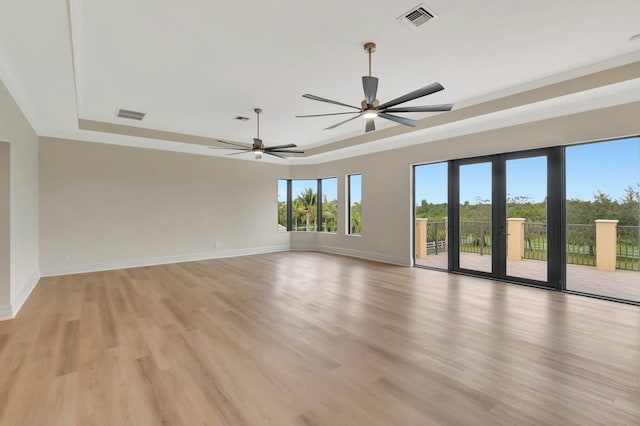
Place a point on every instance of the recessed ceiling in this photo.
(192, 68)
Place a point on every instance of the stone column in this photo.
(421, 238)
(606, 235)
(515, 238)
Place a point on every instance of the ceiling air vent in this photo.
(133, 115)
(241, 118)
(417, 16)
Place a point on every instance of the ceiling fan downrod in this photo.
(258, 111)
(370, 47)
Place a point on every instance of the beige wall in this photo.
(386, 176)
(104, 206)
(23, 198)
(5, 224)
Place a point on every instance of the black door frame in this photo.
(555, 234)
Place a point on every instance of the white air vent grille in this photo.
(417, 16)
(133, 115)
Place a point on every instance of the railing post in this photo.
(606, 233)
(446, 234)
(435, 226)
(515, 238)
(421, 238)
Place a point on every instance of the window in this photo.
(328, 219)
(304, 194)
(307, 205)
(282, 204)
(355, 204)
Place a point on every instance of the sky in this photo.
(608, 167)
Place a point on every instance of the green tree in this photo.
(329, 214)
(433, 212)
(307, 203)
(356, 218)
(282, 213)
(629, 207)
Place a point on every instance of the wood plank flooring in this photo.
(314, 339)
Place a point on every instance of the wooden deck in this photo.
(587, 279)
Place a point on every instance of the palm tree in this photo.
(356, 218)
(307, 199)
(329, 214)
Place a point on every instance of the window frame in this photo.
(289, 201)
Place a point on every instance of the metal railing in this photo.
(475, 237)
(581, 244)
(627, 248)
(535, 241)
(437, 237)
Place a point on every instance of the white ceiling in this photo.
(193, 66)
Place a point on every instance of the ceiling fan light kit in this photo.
(370, 107)
(258, 147)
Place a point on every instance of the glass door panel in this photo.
(526, 218)
(603, 218)
(431, 211)
(475, 217)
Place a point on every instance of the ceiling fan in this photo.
(258, 147)
(370, 107)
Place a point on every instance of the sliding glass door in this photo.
(603, 219)
(566, 217)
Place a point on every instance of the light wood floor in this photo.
(308, 338)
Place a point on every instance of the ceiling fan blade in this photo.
(275, 155)
(241, 152)
(370, 86)
(342, 122)
(401, 120)
(324, 115)
(235, 149)
(424, 108)
(318, 98)
(293, 151)
(427, 90)
(371, 125)
(290, 145)
(233, 143)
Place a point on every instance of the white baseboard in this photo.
(355, 253)
(299, 247)
(151, 261)
(18, 301)
(5, 312)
